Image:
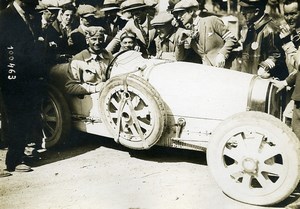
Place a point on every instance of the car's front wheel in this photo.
(133, 111)
(254, 158)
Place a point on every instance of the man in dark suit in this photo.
(58, 35)
(22, 79)
(86, 15)
(114, 22)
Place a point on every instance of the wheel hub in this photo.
(250, 165)
(126, 117)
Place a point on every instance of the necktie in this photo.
(145, 35)
(250, 35)
(165, 45)
(29, 22)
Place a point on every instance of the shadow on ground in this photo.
(81, 143)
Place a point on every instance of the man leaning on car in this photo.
(261, 44)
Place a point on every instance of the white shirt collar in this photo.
(145, 24)
(20, 10)
(44, 22)
(83, 27)
(257, 21)
(94, 56)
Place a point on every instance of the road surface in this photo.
(97, 173)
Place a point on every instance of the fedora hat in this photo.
(253, 3)
(52, 7)
(130, 5)
(110, 5)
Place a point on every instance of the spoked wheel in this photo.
(133, 111)
(56, 118)
(254, 158)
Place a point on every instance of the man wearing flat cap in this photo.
(167, 37)
(22, 80)
(86, 15)
(114, 22)
(88, 68)
(139, 24)
(262, 52)
(208, 36)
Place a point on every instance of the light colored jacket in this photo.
(85, 72)
(174, 51)
(212, 37)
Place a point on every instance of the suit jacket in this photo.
(117, 26)
(78, 40)
(80, 64)
(147, 48)
(261, 43)
(213, 38)
(293, 60)
(55, 34)
(169, 48)
(21, 55)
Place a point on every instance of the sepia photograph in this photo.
(149, 104)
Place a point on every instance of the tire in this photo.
(254, 158)
(142, 124)
(56, 118)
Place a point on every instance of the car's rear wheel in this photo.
(133, 111)
(56, 118)
(254, 158)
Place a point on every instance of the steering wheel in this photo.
(112, 62)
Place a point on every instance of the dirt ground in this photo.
(96, 173)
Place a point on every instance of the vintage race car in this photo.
(234, 117)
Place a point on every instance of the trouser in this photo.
(296, 119)
(22, 112)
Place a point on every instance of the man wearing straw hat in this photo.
(114, 22)
(139, 24)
